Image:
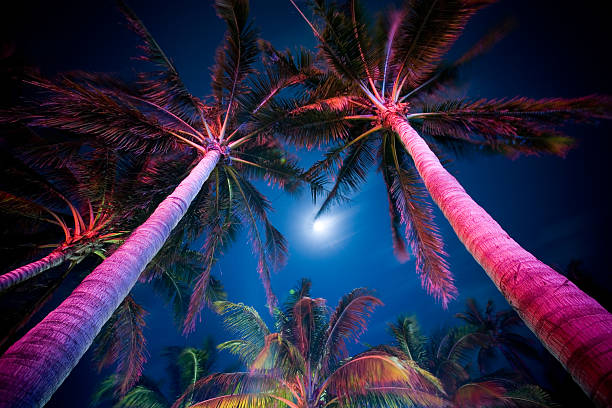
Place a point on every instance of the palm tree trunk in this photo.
(55, 258)
(36, 365)
(569, 323)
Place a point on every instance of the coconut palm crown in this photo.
(393, 67)
(305, 363)
(158, 117)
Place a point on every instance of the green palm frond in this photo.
(142, 397)
(407, 335)
(530, 396)
(243, 321)
(187, 365)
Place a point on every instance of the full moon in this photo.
(320, 225)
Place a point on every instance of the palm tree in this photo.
(47, 182)
(382, 100)
(496, 333)
(305, 363)
(448, 358)
(186, 366)
(122, 342)
(159, 116)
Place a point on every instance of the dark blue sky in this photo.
(556, 208)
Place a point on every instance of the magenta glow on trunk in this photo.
(568, 322)
(36, 365)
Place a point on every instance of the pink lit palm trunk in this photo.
(569, 323)
(55, 258)
(36, 365)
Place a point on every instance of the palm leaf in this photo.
(122, 342)
(347, 322)
(408, 197)
(163, 87)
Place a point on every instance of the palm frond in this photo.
(409, 198)
(234, 61)
(407, 335)
(244, 322)
(352, 172)
(163, 87)
(93, 105)
(377, 368)
(141, 397)
(271, 255)
(480, 394)
(347, 322)
(513, 126)
(122, 342)
(427, 31)
(232, 390)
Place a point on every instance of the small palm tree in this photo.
(186, 366)
(496, 333)
(305, 363)
(158, 116)
(448, 358)
(384, 100)
(51, 184)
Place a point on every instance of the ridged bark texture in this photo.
(36, 365)
(571, 325)
(12, 278)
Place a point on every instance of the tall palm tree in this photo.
(382, 100)
(305, 363)
(448, 357)
(158, 115)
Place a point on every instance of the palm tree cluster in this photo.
(92, 164)
(305, 363)
(450, 356)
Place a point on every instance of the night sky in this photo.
(555, 208)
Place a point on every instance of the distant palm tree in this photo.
(384, 86)
(159, 116)
(447, 357)
(305, 363)
(495, 332)
(186, 366)
(89, 187)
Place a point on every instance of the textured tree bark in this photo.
(36, 365)
(569, 323)
(12, 278)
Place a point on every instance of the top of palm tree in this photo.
(157, 117)
(305, 362)
(396, 66)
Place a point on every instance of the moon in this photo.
(321, 225)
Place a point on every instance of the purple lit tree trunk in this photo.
(36, 365)
(55, 258)
(569, 323)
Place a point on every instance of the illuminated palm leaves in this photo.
(304, 363)
(157, 117)
(397, 67)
